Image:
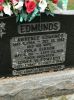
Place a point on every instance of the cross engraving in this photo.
(2, 29)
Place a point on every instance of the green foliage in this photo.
(23, 16)
(34, 14)
(50, 7)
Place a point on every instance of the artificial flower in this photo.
(7, 9)
(2, 1)
(55, 1)
(30, 6)
(19, 5)
(1, 8)
(42, 5)
(14, 2)
(27, 10)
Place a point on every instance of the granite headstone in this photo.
(44, 44)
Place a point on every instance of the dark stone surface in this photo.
(8, 26)
(18, 48)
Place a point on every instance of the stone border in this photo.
(34, 87)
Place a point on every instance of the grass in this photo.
(70, 7)
(71, 4)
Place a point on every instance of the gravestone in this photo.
(42, 45)
(8, 28)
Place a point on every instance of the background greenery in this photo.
(71, 4)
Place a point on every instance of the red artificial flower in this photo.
(55, 1)
(1, 7)
(2, 1)
(30, 6)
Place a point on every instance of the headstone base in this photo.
(41, 86)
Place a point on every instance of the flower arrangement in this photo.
(27, 10)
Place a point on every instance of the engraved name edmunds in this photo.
(38, 27)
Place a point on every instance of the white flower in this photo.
(7, 9)
(42, 5)
(19, 5)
